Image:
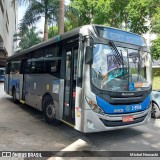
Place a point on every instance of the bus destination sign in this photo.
(120, 36)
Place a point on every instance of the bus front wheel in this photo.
(49, 111)
(155, 111)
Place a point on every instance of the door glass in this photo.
(75, 57)
(70, 84)
(67, 84)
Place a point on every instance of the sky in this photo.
(39, 25)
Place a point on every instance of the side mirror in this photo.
(89, 55)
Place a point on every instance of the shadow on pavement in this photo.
(93, 137)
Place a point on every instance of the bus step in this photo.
(67, 123)
(22, 101)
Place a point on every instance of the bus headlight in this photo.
(93, 105)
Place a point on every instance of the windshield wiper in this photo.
(118, 56)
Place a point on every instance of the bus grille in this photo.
(120, 123)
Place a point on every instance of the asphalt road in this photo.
(23, 128)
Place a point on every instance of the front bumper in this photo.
(98, 122)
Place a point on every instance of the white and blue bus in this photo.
(93, 78)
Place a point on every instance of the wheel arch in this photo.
(153, 101)
(43, 97)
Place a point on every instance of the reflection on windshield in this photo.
(116, 69)
(116, 72)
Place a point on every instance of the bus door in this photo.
(70, 84)
(23, 65)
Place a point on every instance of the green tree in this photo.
(155, 19)
(52, 31)
(155, 28)
(37, 9)
(85, 10)
(72, 19)
(30, 38)
(125, 14)
(155, 48)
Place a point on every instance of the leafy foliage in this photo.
(155, 48)
(30, 38)
(37, 9)
(52, 31)
(155, 19)
(72, 20)
(125, 14)
(155, 28)
(137, 16)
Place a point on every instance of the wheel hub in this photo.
(51, 111)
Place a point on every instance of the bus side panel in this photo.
(20, 86)
(61, 100)
(6, 86)
(30, 88)
(14, 82)
(37, 85)
(79, 110)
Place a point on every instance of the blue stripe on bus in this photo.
(117, 109)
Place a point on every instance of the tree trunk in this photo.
(46, 29)
(61, 17)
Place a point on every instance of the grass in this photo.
(156, 79)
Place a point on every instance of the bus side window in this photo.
(51, 60)
(37, 62)
(15, 67)
(28, 66)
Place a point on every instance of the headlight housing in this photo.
(94, 106)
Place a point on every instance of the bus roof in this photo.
(48, 42)
(61, 37)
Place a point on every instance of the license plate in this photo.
(127, 118)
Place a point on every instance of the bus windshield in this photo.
(120, 69)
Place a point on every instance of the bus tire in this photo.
(155, 111)
(14, 95)
(49, 111)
